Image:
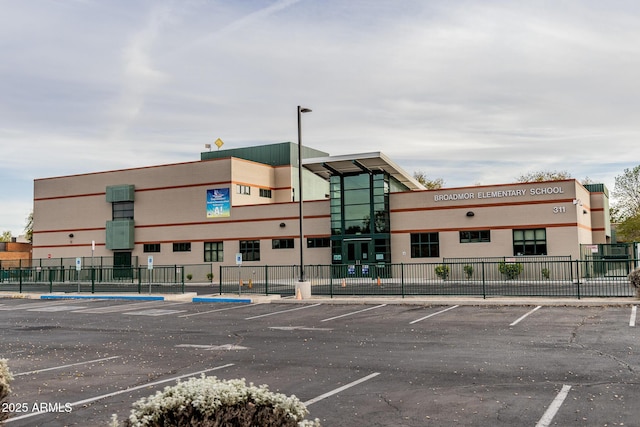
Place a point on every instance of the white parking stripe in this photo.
(523, 317)
(127, 307)
(66, 366)
(546, 419)
(338, 390)
(126, 390)
(218, 309)
(632, 320)
(283, 311)
(433, 314)
(31, 305)
(352, 313)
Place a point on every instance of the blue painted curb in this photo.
(112, 297)
(205, 299)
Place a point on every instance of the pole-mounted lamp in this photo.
(300, 111)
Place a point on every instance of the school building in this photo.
(358, 209)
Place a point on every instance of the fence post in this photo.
(266, 280)
(20, 278)
(93, 280)
(484, 290)
(578, 272)
(402, 279)
(139, 281)
(220, 276)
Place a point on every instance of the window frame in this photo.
(210, 251)
(282, 244)
(425, 245)
(243, 189)
(151, 248)
(479, 239)
(522, 246)
(181, 246)
(122, 210)
(250, 250)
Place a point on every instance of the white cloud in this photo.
(473, 91)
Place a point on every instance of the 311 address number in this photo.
(559, 209)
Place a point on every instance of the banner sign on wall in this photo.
(218, 203)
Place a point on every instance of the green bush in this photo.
(5, 379)
(442, 271)
(634, 279)
(545, 273)
(468, 271)
(511, 270)
(209, 402)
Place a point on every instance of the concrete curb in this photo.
(265, 299)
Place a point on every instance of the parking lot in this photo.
(77, 362)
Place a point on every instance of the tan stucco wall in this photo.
(170, 206)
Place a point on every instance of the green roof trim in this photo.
(597, 188)
(280, 154)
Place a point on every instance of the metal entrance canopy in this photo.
(325, 167)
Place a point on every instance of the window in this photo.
(425, 245)
(243, 189)
(282, 244)
(265, 193)
(530, 242)
(182, 247)
(318, 242)
(250, 250)
(475, 236)
(151, 247)
(122, 210)
(213, 252)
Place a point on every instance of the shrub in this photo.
(442, 271)
(5, 379)
(511, 270)
(210, 276)
(545, 273)
(634, 279)
(207, 401)
(468, 271)
(189, 276)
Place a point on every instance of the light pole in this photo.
(300, 111)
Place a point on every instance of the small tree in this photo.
(5, 379)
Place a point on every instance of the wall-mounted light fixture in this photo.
(470, 213)
(282, 225)
(71, 235)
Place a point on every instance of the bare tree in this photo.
(543, 175)
(430, 184)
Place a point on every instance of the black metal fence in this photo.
(470, 277)
(482, 277)
(161, 279)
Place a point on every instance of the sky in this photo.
(473, 92)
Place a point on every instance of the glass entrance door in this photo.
(357, 252)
